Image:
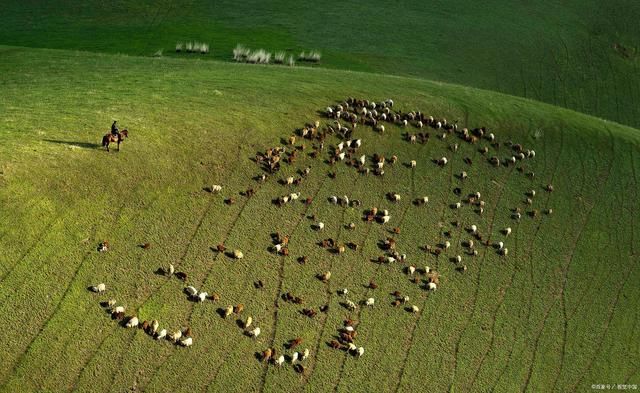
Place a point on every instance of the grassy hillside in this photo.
(559, 313)
(581, 55)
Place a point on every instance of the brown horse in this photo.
(109, 138)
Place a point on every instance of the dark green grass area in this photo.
(559, 313)
(581, 55)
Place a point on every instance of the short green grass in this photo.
(563, 53)
(558, 314)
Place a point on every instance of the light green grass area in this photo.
(578, 54)
(559, 313)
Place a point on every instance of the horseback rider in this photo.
(114, 129)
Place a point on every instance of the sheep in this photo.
(294, 357)
(463, 175)
(447, 244)
(280, 360)
(254, 333)
(228, 311)
(491, 137)
(237, 254)
(360, 351)
(352, 347)
(413, 163)
(504, 251)
(358, 143)
(118, 310)
(370, 302)
(411, 270)
(340, 146)
(343, 291)
(325, 276)
(458, 259)
(248, 322)
(202, 296)
(396, 197)
(320, 226)
(111, 303)
(238, 309)
(132, 322)
(277, 248)
(507, 231)
(341, 156)
(191, 291)
(154, 327)
(391, 259)
(175, 336)
(162, 334)
(171, 270)
(305, 354)
(458, 205)
(474, 229)
(99, 288)
(333, 199)
(380, 164)
(216, 188)
(351, 305)
(432, 286)
(294, 196)
(385, 219)
(186, 342)
(363, 159)
(442, 161)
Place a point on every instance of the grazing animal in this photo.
(186, 342)
(255, 332)
(280, 360)
(99, 288)
(162, 334)
(132, 322)
(370, 302)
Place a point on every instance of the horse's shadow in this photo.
(84, 145)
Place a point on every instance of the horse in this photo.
(107, 139)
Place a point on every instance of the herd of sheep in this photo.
(344, 120)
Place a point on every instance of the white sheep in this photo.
(277, 248)
(443, 161)
(175, 336)
(294, 357)
(385, 219)
(370, 302)
(411, 269)
(458, 258)
(458, 205)
(202, 296)
(427, 269)
(216, 188)
(360, 351)
(99, 288)
(333, 199)
(507, 231)
(154, 326)
(358, 143)
(290, 180)
(381, 128)
(380, 164)
(396, 197)
(345, 200)
(294, 196)
(477, 194)
(162, 334)
(491, 137)
(415, 309)
(191, 291)
(343, 291)
(404, 123)
(391, 259)
(340, 146)
(363, 159)
(171, 269)
(352, 347)
(119, 309)
(432, 286)
(500, 245)
(474, 228)
(447, 244)
(504, 251)
(413, 163)
(349, 329)
(320, 226)
(255, 332)
(280, 360)
(305, 354)
(132, 322)
(351, 305)
(341, 156)
(248, 322)
(425, 199)
(237, 254)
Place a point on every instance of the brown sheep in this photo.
(238, 309)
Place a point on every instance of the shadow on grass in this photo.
(84, 145)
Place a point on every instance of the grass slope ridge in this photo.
(577, 54)
(559, 314)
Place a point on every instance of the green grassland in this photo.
(578, 54)
(559, 313)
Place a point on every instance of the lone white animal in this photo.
(280, 360)
(474, 228)
(507, 231)
(343, 291)
(447, 244)
(415, 309)
(255, 332)
(370, 302)
(216, 188)
(171, 269)
(360, 351)
(305, 354)
(320, 226)
(411, 269)
(99, 288)
(413, 163)
(333, 199)
(237, 254)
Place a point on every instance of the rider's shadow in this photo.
(84, 145)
